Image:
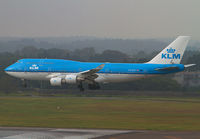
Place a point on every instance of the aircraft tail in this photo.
(173, 53)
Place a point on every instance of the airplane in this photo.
(59, 71)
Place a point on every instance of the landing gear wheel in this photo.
(80, 86)
(94, 86)
(82, 89)
(24, 83)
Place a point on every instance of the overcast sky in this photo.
(100, 18)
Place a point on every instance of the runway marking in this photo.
(49, 136)
(60, 133)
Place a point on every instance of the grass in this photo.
(179, 114)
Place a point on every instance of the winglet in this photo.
(100, 66)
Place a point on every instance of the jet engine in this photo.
(71, 79)
(56, 81)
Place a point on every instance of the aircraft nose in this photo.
(9, 68)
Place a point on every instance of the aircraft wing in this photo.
(90, 74)
(81, 76)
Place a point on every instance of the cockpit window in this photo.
(18, 61)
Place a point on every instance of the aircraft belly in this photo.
(103, 78)
(30, 75)
(118, 77)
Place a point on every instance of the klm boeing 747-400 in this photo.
(60, 72)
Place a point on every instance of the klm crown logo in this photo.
(34, 67)
(171, 50)
(170, 54)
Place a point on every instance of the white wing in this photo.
(89, 74)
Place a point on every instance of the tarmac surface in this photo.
(154, 135)
(54, 133)
(60, 133)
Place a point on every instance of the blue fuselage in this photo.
(68, 66)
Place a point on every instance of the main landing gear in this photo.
(24, 83)
(93, 86)
(80, 86)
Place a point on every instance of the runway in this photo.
(55, 133)
(58, 133)
(154, 135)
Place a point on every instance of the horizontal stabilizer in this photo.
(189, 65)
(167, 69)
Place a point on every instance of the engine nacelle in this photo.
(71, 79)
(56, 81)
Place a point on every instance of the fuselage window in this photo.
(48, 63)
(32, 62)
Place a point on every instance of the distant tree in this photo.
(28, 52)
(112, 56)
(85, 54)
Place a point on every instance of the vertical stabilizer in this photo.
(173, 53)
